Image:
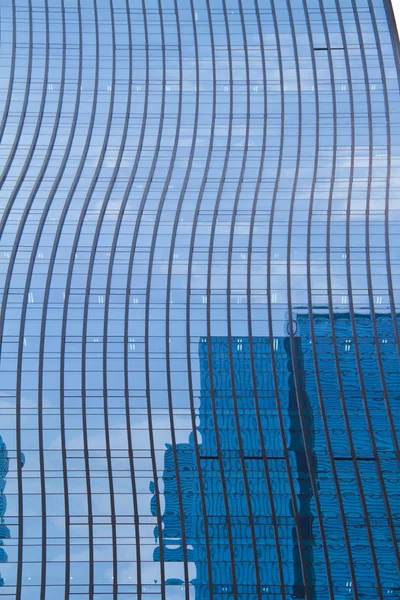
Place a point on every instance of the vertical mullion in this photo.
(296, 378)
(147, 307)
(249, 316)
(310, 308)
(167, 329)
(303, 565)
(6, 110)
(188, 303)
(168, 295)
(351, 307)
(108, 285)
(229, 298)
(10, 158)
(129, 280)
(209, 337)
(372, 310)
(67, 296)
(47, 289)
(387, 242)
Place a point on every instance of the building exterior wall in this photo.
(182, 170)
(326, 415)
(234, 463)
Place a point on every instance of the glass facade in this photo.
(4, 530)
(200, 300)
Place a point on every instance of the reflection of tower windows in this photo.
(332, 403)
(4, 531)
(343, 362)
(217, 398)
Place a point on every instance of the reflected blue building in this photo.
(242, 518)
(4, 530)
(288, 487)
(352, 379)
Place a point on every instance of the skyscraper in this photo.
(250, 476)
(297, 496)
(182, 170)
